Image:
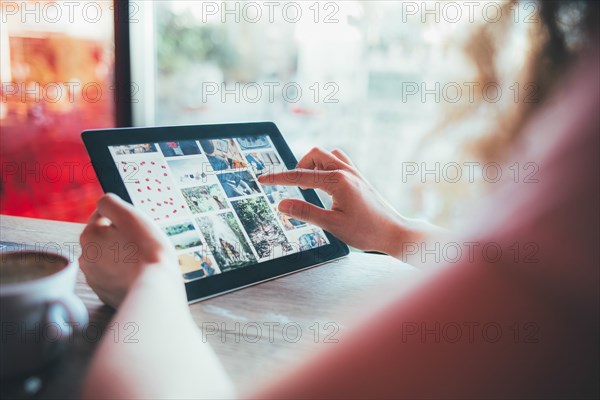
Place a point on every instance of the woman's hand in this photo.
(118, 245)
(359, 215)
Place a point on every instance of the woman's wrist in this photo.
(162, 274)
(404, 235)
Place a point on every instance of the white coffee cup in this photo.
(39, 315)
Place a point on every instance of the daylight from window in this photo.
(376, 79)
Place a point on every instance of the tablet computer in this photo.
(198, 183)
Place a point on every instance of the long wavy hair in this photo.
(563, 30)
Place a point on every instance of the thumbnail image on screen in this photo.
(205, 197)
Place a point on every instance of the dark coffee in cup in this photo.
(39, 311)
(25, 266)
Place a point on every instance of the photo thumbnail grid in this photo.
(205, 196)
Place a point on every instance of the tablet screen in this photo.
(205, 197)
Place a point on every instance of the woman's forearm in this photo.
(165, 357)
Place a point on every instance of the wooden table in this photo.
(297, 314)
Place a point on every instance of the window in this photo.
(370, 77)
(57, 76)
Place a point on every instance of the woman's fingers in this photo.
(305, 178)
(96, 224)
(342, 156)
(306, 212)
(119, 212)
(318, 158)
(94, 217)
(97, 219)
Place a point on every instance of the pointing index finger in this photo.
(305, 178)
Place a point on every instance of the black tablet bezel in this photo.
(97, 142)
